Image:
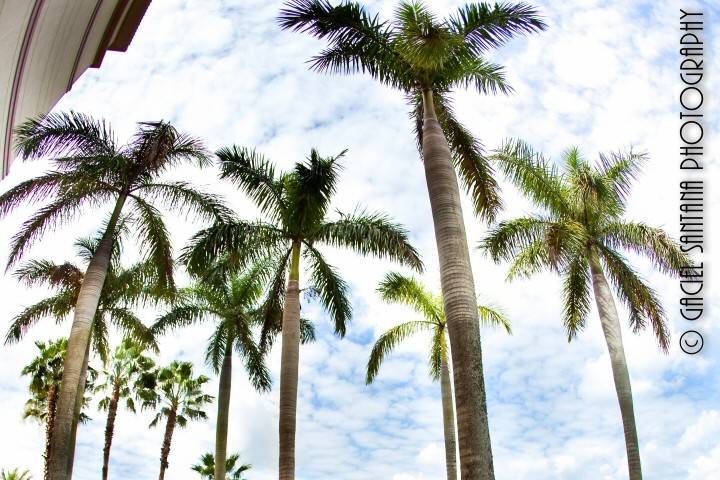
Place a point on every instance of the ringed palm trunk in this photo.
(289, 368)
(110, 428)
(448, 421)
(613, 337)
(456, 279)
(167, 440)
(223, 413)
(72, 387)
(49, 426)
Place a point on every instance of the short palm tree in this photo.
(45, 372)
(408, 291)
(295, 204)
(180, 398)
(90, 170)
(233, 468)
(232, 301)
(124, 378)
(15, 474)
(581, 234)
(426, 58)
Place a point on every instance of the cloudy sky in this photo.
(604, 76)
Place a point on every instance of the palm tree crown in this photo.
(582, 224)
(408, 291)
(124, 288)
(295, 204)
(178, 390)
(418, 52)
(15, 474)
(234, 469)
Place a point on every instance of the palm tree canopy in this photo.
(90, 169)
(124, 288)
(408, 291)
(233, 467)
(581, 221)
(417, 52)
(127, 371)
(177, 390)
(233, 300)
(45, 372)
(295, 204)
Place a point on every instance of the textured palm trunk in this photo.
(458, 288)
(613, 337)
(110, 428)
(78, 406)
(448, 421)
(72, 387)
(223, 413)
(167, 440)
(289, 368)
(49, 426)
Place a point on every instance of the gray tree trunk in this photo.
(613, 337)
(458, 288)
(110, 428)
(448, 422)
(289, 364)
(72, 387)
(223, 413)
(167, 441)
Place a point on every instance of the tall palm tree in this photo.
(91, 169)
(295, 204)
(124, 377)
(426, 58)
(45, 372)
(581, 234)
(15, 474)
(234, 470)
(180, 397)
(232, 301)
(408, 291)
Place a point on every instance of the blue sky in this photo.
(604, 77)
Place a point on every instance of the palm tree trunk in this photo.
(448, 421)
(289, 364)
(78, 406)
(110, 428)
(49, 426)
(165, 451)
(613, 337)
(223, 413)
(73, 381)
(458, 290)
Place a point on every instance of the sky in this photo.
(604, 77)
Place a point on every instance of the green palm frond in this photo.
(184, 199)
(621, 169)
(39, 272)
(484, 26)
(132, 327)
(387, 342)
(370, 234)
(650, 242)
(331, 289)
(641, 300)
(57, 306)
(493, 316)
(399, 288)
(157, 246)
(438, 353)
(576, 296)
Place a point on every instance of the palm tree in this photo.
(408, 291)
(90, 170)
(180, 397)
(580, 234)
(15, 474)
(45, 373)
(125, 378)
(207, 470)
(296, 204)
(426, 58)
(231, 300)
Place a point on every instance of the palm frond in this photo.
(576, 296)
(184, 199)
(370, 234)
(621, 169)
(438, 353)
(399, 288)
(157, 247)
(39, 272)
(494, 316)
(332, 290)
(58, 306)
(387, 342)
